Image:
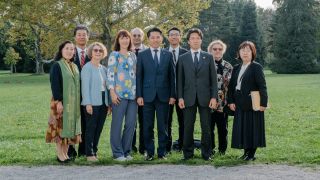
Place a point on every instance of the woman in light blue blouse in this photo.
(122, 85)
(94, 97)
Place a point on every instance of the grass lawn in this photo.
(292, 125)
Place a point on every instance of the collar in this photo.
(176, 49)
(193, 51)
(79, 50)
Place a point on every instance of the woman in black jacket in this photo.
(248, 127)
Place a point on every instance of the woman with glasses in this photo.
(248, 126)
(224, 69)
(122, 85)
(94, 98)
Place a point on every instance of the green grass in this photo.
(292, 125)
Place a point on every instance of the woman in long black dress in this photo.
(248, 127)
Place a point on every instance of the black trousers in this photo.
(221, 120)
(180, 123)
(189, 114)
(141, 141)
(82, 148)
(94, 126)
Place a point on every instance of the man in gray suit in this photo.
(197, 88)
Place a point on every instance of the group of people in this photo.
(140, 82)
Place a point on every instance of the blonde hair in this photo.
(224, 46)
(91, 46)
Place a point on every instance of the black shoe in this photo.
(134, 149)
(207, 158)
(247, 158)
(65, 161)
(221, 153)
(162, 157)
(244, 155)
(149, 158)
(185, 158)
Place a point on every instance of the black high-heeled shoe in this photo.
(65, 161)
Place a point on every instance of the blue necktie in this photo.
(155, 58)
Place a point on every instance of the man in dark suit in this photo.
(174, 37)
(81, 37)
(197, 88)
(155, 91)
(137, 40)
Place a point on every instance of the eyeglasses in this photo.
(98, 50)
(136, 35)
(174, 34)
(217, 49)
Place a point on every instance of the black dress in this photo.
(248, 126)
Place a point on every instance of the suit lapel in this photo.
(162, 57)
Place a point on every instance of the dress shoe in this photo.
(62, 162)
(185, 158)
(247, 158)
(207, 158)
(162, 157)
(149, 158)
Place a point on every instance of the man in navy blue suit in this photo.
(155, 91)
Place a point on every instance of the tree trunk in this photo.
(11, 68)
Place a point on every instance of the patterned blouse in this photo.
(224, 70)
(121, 74)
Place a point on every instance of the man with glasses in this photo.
(137, 40)
(174, 37)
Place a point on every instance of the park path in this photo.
(167, 172)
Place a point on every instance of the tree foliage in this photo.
(295, 29)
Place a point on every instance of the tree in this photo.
(11, 59)
(295, 44)
(49, 22)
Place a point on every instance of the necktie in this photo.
(174, 56)
(82, 58)
(196, 60)
(155, 58)
(137, 51)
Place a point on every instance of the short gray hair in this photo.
(224, 46)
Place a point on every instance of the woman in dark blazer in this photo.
(248, 127)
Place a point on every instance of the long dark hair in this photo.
(59, 53)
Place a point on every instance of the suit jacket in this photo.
(155, 80)
(198, 83)
(253, 80)
(77, 60)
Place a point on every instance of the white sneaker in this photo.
(129, 158)
(120, 159)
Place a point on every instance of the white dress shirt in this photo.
(240, 77)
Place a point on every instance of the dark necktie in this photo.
(137, 51)
(155, 58)
(196, 60)
(174, 56)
